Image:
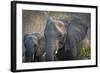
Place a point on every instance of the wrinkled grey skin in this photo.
(75, 31)
(34, 47)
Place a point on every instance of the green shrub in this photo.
(85, 53)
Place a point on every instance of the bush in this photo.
(85, 53)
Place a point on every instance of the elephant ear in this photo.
(76, 31)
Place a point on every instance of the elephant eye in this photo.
(35, 46)
(59, 35)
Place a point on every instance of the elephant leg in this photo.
(29, 56)
(29, 52)
(42, 58)
(75, 53)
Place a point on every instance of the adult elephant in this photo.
(70, 34)
(34, 47)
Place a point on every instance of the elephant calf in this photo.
(34, 47)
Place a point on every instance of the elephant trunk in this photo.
(29, 55)
(50, 49)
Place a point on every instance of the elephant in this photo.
(70, 34)
(34, 47)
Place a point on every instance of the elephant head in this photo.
(72, 34)
(54, 32)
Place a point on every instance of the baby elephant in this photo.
(33, 47)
